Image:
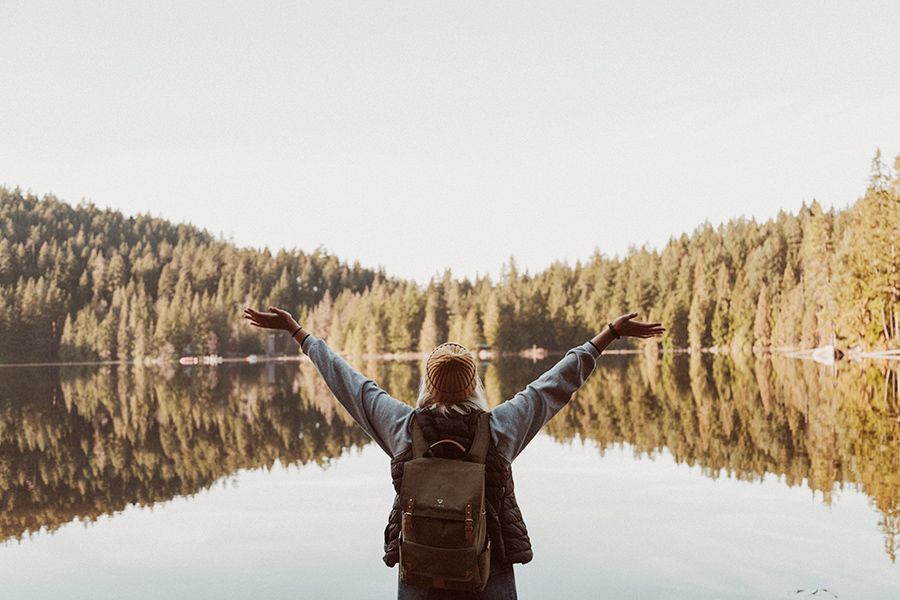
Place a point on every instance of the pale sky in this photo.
(428, 135)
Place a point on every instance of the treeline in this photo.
(84, 283)
(791, 281)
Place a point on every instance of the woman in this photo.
(451, 397)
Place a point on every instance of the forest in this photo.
(81, 283)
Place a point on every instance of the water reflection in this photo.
(81, 443)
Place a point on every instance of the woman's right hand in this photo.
(626, 327)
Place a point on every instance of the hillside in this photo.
(81, 283)
(78, 282)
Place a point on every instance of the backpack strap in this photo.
(478, 451)
(419, 445)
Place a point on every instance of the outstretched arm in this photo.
(383, 417)
(518, 420)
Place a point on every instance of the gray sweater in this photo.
(513, 423)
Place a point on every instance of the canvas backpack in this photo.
(443, 533)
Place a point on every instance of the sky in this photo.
(420, 136)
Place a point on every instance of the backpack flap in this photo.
(443, 497)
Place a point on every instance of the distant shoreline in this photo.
(528, 354)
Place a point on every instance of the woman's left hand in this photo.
(276, 319)
(626, 327)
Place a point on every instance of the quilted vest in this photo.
(506, 529)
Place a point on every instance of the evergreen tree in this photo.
(80, 282)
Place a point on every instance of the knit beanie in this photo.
(450, 373)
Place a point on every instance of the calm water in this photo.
(683, 477)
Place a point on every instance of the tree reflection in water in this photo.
(81, 443)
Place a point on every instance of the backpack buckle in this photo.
(407, 515)
(470, 528)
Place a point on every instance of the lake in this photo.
(677, 476)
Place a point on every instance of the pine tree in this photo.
(429, 335)
(700, 310)
(470, 335)
(869, 283)
(762, 328)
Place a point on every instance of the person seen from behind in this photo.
(457, 452)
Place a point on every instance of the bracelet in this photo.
(297, 331)
(614, 332)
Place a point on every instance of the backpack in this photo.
(443, 532)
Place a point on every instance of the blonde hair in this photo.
(477, 400)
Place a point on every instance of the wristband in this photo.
(297, 331)
(614, 332)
